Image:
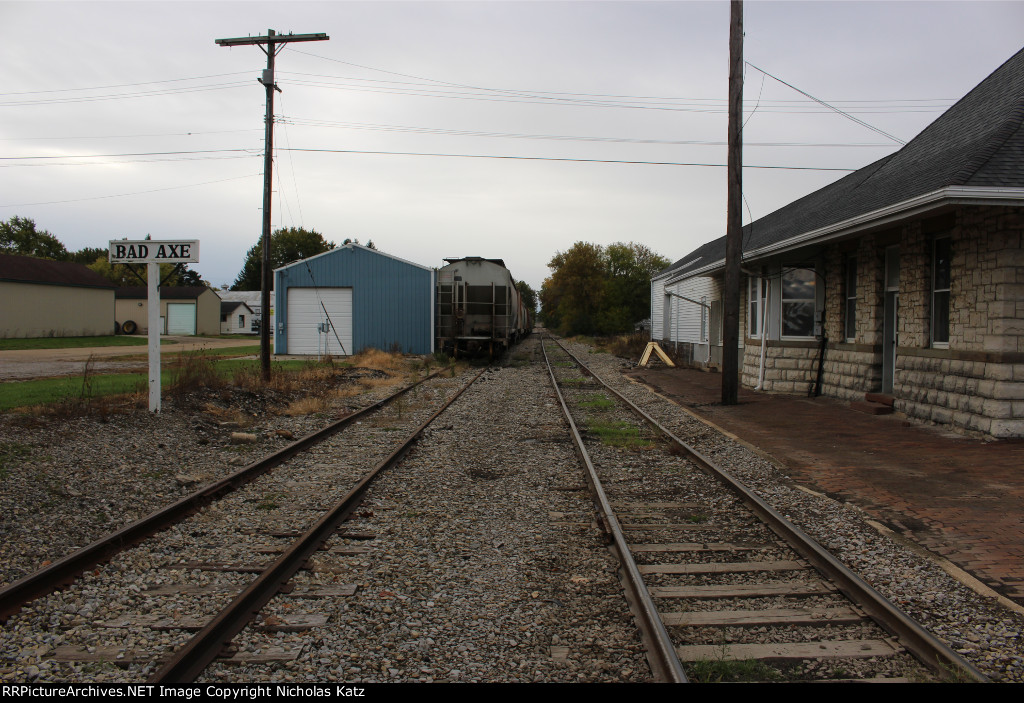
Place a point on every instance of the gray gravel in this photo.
(984, 632)
(484, 566)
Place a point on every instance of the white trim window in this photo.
(850, 300)
(798, 301)
(704, 318)
(941, 277)
(755, 304)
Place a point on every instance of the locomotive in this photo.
(479, 308)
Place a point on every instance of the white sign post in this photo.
(153, 253)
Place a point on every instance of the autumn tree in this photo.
(286, 245)
(599, 290)
(572, 295)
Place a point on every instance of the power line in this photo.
(127, 85)
(140, 192)
(570, 96)
(307, 122)
(141, 153)
(121, 96)
(552, 158)
(835, 109)
(127, 136)
(129, 161)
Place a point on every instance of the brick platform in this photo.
(959, 497)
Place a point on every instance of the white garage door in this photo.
(181, 318)
(310, 331)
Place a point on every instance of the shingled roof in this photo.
(26, 269)
(978, 144)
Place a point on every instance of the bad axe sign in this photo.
(153, 253)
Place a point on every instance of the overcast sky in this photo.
(608, 81)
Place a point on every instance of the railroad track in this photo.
(171, 605)
(721, 585)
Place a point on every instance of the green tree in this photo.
(286, 245)
(627, 286)
(87, 255)
(19, 236)
(121, 274)
(529, 296)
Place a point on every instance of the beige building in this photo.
(184, 310)
(43, 298)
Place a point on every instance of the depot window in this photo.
(798, 302)
(850, 317)
(755, 304)
(940, 291)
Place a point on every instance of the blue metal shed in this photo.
(351, 298)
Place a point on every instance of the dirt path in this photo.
(24, 364)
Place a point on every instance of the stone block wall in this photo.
(978, 396)
(789, 367)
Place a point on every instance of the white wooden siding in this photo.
(657, 304)
(686, 315)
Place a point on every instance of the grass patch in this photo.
(21, 394)
(75, 342)
(726, 671)
(618, 434)
(597, 401)
(309, 405)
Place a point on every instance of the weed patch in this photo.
(727, 671)
(618, 434)
(597, 401)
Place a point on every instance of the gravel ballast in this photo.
(484, 563)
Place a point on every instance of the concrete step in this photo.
(863, 406)
(882, 398)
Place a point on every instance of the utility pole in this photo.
(274, 43)
(734, 221)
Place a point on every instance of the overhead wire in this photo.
(553, 158)
(537, 94)
(320, 123)
(140, 192)
(291, 164)
(831, 107)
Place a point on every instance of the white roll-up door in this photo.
(181, 318)
(310, 330)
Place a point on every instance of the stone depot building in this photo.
(903, 280)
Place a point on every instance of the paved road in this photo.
(24, 364)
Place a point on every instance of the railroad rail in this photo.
(192, 659)
(63, 571)
(910, 635)
(188, 662)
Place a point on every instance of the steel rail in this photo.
(923, 645)
(661, 653)
(64, 571)
(199, 652)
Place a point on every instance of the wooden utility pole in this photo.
(274, 43)
(734, 226)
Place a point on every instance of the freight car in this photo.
(479, 309)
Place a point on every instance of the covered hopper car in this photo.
(479, 309)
